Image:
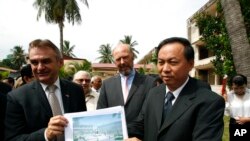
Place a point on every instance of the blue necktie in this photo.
(167, 105)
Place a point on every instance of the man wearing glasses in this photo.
(91, 97)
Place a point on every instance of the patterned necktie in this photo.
(53, 101)
(167, 105)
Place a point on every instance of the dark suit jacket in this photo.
(4, 89)
(197, 115)
(3, 102)
(111, 94)
(28, 111)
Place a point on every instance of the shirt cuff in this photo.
(45, 137)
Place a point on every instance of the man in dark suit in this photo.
(182, 108)
(4, 89)
(128, 88)
(32, 114)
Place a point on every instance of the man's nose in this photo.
(40, 66)
(122, 61)
(166, 67)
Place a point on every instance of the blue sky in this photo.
(105, 21)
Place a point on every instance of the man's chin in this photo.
(44, 80)
(126, 72)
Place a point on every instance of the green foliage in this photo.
(141, 70)
(85, 65)
(14, 60)
(68, 49)
(57, 11)
(245, 9)
(128, 40)
(154, 57)
(225, 136)
(18, 57)
(6, 63)
(4, 74)
(216, 39)
(106, 54)
(74, 67)
(65, 74)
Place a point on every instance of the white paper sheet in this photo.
(101, 125)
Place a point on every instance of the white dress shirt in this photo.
(238, 106)
(57, 93)
(91, 100)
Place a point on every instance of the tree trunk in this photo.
(61, 36)
(238, 37)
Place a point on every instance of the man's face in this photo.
(97, 83)
(172, 65)
(239, 90)
(123, 59)
(45, 65)
(84, 81)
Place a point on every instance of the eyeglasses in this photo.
(81, 80)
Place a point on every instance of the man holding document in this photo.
(34, 111)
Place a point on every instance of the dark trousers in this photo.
(239, 132)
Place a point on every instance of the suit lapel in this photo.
(65, 96)
(117, 87)
(44, 103)
(182, 103)
(159, 102)
(135, 84)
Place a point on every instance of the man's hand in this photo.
(132, 139)
(55, 126)
(242, 120)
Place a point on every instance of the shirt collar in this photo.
(57, 83)
(132, 74)
(178, 90)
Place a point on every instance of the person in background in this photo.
(128, 88)
(5, 88)
(182, 108)
(96, 83)
(238, 108)
(91, 97)
(34, 111)
(26, 76)
(10, 81)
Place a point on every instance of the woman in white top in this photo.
(238, 107)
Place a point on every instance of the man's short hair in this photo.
(38, 43)
(188, 50)
(239, 80)
(26, 71)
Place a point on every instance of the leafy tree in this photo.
(68, 74)
(106, 54)
(214, 35)
(56, 11)
(18, 57)
(128, 40)
(85, 65)
(67, 49)
(141, 70)
(6, 63)
(237, 32)
(154, 57)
